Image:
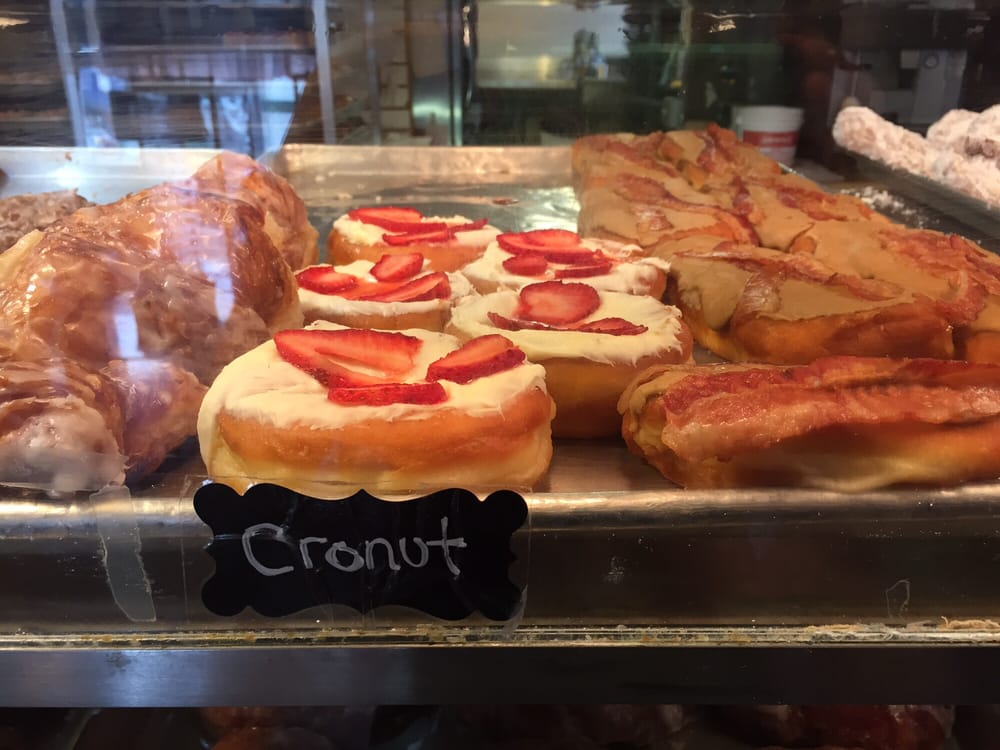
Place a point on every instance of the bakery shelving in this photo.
(635, 589)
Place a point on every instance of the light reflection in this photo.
(126, 328)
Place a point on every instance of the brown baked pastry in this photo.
(748, 304)
(841, 423)
(642, 211)
(711, 159)
(130, 309)
(962, 277)
(285, 221)
(591, 344)
(328, 409)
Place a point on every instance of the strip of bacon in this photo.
(724, 411)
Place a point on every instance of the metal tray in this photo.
(637, 591)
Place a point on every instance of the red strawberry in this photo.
(529, 264)
(599, 268)
(397, 267)
(508, 324)
(394, 218)
(430, 286)
(389, 393)
(325, 280)
(429, 234)
(475, 359)
(324, 353)
(538, 239)
(613, 326)
(470, 227)
(557, 303)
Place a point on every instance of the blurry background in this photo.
(250, 75)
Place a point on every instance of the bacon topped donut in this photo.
(644, 212)
(844, 423)
(750, 304)
(447, 242)
(592, 343)
(328, 409)
(517, 259)
(395, 293)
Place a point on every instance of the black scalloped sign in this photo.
(279, 552)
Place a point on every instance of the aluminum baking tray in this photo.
(636, 590)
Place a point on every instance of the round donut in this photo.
(614, 267)
(352, 239)
(586, 371)
(352, 296)
(267, 420)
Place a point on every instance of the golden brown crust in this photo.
(851, 456)
(440, 256)
(400, 455)
(430, 320)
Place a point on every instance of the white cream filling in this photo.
(359, 233)
(636, 276)
(663, 325)
(332, 304)
(260, 385)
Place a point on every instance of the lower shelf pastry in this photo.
(749, 304)
(327, 409)
(515, 260)
(394, 293)
(591, 344)
(841, 423)
(447, 242)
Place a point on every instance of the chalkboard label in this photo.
(448, 554)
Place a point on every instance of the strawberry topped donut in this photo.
(395, 293)
(327, 410)
(448, 243)
(592, 344)
(516, 260)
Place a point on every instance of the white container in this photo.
(774, 130)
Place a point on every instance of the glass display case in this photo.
(146, 566)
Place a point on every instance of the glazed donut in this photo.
(513, 261)
(591, 343)
(327, 410)
(396, 293)
(448, 242)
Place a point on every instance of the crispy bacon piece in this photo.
(840, 422)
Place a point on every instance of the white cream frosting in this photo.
(663, 324)
(359, 233)
(260, 385)
(331, 304)
(629, 273)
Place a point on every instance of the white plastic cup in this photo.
(774, 130)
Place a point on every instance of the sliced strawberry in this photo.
(557, 303)
(613, 326)
(475, 359)
(539, 239)
(470, 227)
(394, 218)
(389, 393)
(529, 264)
(397, 267)
(430, 234)
(509, 324)
(430, 286)
(326, 354)
(368, 289)
(325, 280)
(579, 272)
